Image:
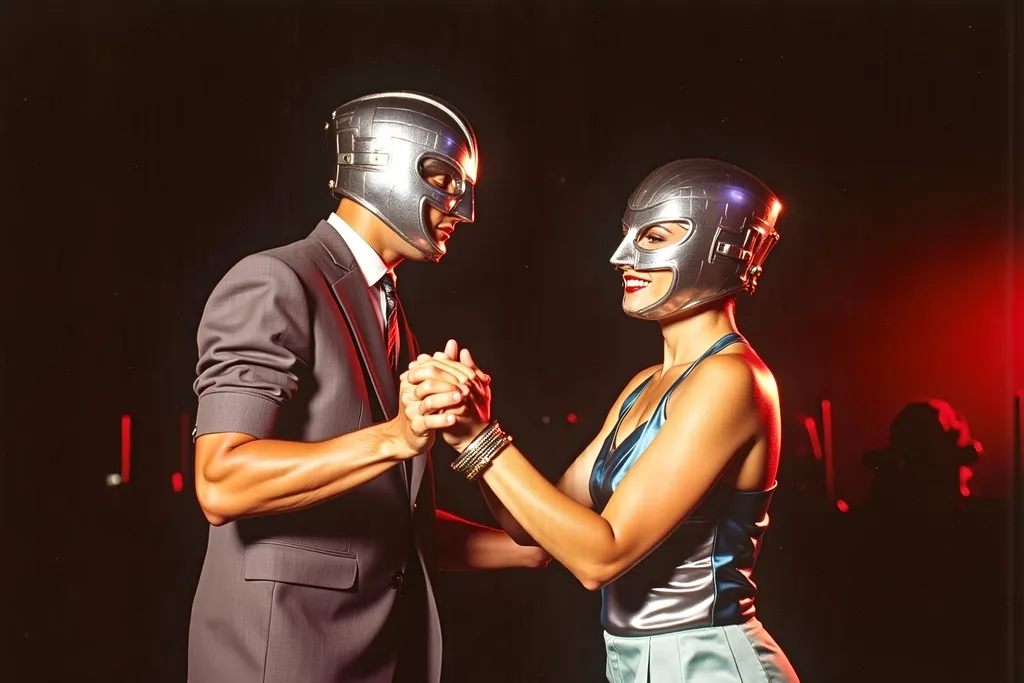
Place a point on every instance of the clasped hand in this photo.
(447, 392)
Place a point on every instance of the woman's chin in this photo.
(634, 303)
(632, 311)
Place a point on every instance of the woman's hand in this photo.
(431, 376)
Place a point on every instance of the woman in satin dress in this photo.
(665, 511)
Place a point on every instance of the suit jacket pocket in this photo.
(300, 565)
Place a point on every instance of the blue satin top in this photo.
(701, 574)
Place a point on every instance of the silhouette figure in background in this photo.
(928, 463)
(926, 567)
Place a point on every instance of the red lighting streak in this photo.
(812, 433)
(830, 465)
(126, 448)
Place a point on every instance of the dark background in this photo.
(148, 146)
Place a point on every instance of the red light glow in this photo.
(914, 339)
(830, 463)
(470, 167)
(126, 448)
(966, 473)
(812, 432)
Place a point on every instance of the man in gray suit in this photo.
(311, 465)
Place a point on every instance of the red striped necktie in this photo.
(387, 283)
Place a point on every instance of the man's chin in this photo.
(441, 244)
(433, 256)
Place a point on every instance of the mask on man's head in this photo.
(386, 145)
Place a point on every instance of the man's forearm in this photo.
(504, 518)
(464, 546)
(267, 476)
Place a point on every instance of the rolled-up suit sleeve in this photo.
(254, 340)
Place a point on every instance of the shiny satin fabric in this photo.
(700, 575)
(736, 653)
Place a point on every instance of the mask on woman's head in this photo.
(730, 218)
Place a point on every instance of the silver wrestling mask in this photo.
(730, 219)
(385, 147)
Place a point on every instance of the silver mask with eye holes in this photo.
(730, 219)
(381, 142)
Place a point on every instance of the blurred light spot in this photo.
(176, 483)
(843, 507)
(571, 418)
(114, 479)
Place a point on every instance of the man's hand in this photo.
(430, 375)
(418, 418)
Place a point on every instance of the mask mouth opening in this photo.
(651, 312)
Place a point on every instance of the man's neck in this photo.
(372, 229)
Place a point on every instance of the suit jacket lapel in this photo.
(350, 290)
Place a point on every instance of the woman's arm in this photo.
(711, 417)
(574, 481)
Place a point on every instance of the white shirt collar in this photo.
(369, 262)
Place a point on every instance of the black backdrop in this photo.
(147, 146)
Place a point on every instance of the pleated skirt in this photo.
(738, 653)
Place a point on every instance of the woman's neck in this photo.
(688, 336)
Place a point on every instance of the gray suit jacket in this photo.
(290, 348)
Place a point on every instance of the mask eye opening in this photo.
(442, 175)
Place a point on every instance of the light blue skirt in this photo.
(740, 653)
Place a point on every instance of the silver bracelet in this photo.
(478, 455)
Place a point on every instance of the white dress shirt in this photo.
(369, 263)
